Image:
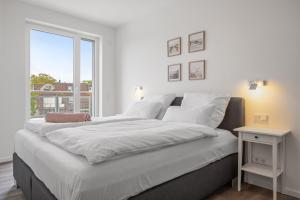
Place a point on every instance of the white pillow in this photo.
(200, 115)
(143, 109)
(220, 102)
(164, 99)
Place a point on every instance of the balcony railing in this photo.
(42, 103)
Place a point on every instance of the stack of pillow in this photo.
(200, 108)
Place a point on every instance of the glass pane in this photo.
(51, 73)
(86, 75)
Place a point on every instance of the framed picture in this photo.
(197, 41)
(197, 70)
(174, 47)
(174, 72)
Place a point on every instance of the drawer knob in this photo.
(256, 137)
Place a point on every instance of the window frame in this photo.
(77, 36)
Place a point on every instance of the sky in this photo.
(53, 54)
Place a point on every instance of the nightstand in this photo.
(271, 137)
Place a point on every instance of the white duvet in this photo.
(40, 126)
(102, 142)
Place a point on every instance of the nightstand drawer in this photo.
(258, 138)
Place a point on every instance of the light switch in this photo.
(261, 118)
(264, 117)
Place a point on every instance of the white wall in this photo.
(1, 31)
(4, 146)
(245, 40)
(1, 35)
(12, 77)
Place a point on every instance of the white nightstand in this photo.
(263, 136)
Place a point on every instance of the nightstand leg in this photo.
(249, 150)
(283, 165)
(240, 158)
(275, 157)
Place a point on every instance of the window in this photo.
(47, 87)
(63, 71)
(49, 102)
(86, 74)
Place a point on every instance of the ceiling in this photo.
(109, 12)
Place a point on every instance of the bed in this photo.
(169, 182)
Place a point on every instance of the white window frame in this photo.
(77, 36)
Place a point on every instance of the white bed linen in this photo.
(70, 177)
(40, 126)
(102, 142)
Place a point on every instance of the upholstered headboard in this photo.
(234, 116)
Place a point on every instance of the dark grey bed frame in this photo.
(195, 185)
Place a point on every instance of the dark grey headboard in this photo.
(234, 116)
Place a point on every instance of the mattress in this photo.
(69, 176)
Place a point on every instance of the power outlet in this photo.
(255, 160)
(262, 161)
(261, 118)
(259, 160)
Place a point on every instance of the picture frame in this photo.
(174, 47)
(174, 72)
(196, 42)
(197, 70)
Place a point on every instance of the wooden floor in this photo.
(249, 192)
(8, 190)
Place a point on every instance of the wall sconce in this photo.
(139, 93)
(254, 83)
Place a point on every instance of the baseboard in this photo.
(292, 192)
(5, 159)
(267, 183)
(261, 182)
